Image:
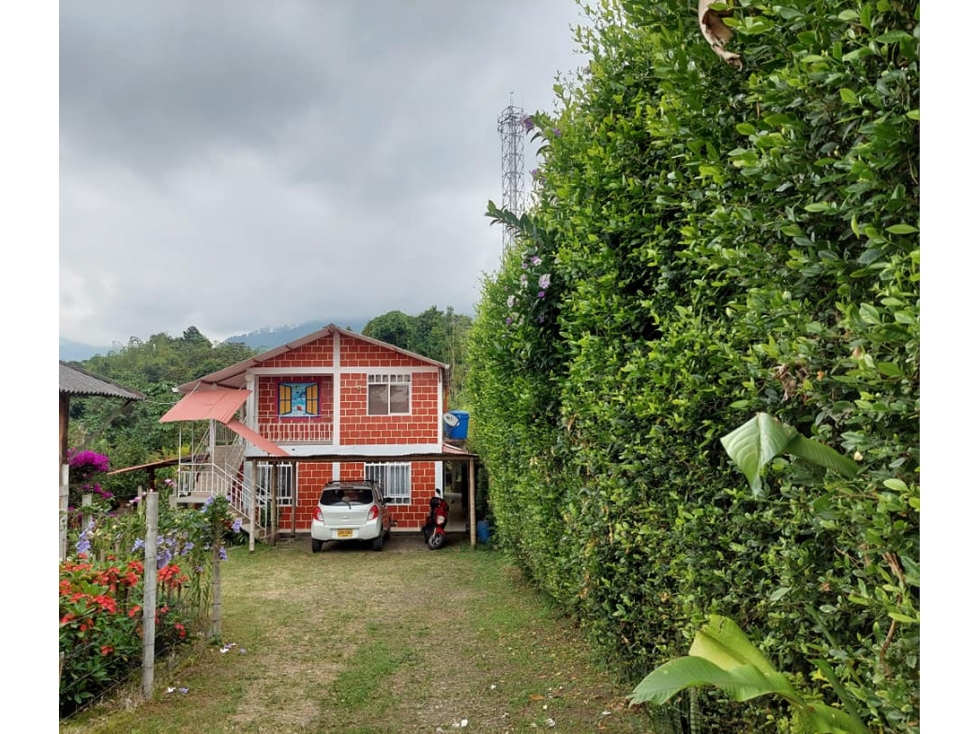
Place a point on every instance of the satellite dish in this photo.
(451, 419)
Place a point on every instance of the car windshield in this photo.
(346, 496)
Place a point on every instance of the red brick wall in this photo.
(359, 353)
(313, 475)
(315, 354)
(422, 426)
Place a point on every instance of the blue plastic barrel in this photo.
(483, 531)
(456, 425)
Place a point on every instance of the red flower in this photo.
(106, 602)
(135, 610)
(106, 649)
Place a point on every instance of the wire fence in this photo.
(137, 588)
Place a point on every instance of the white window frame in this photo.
(391, 381)
(287, 481)
(394, 479)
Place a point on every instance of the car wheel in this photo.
(378, 543)
(317, 545)
(435, 542)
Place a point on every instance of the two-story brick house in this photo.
(331, 405)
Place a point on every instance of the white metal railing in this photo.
(296, 430)
(202, 475)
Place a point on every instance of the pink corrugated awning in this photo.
(221, 404)
(256, 438)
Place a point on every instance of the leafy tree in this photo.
(394, 327)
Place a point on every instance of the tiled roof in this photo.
(76, 381)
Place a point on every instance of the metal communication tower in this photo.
(512, 132)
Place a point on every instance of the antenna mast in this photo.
(510, 126)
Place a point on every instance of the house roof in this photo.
(219, 403)
(76, 381)
(234, 376)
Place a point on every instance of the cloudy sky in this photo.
(247, 165)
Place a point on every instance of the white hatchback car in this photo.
(351, 511)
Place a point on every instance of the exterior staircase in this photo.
(218, 471)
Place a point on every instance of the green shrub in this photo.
(720, 244)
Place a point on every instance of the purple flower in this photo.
(140, 543)
(540, 294)
(535, 172)
(540, 319)
(523, 280)
(163, 557)
(508, 321)
(510, 301)
(222, 553)
(544, 281)
(528, 122)
(84, 545)
(557, 132)
(236, 526)
(535, 260)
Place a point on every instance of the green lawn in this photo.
(406, 640)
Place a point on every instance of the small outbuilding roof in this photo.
(76, 381)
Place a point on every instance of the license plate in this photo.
(345, 533)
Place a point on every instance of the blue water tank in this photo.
(456, 425)
(483, 531)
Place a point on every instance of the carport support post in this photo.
(274, 510)
(472, 502)
(252, 512)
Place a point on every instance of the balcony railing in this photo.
(285, 431)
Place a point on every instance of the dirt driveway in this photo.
(404, 640)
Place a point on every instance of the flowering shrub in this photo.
(101, 592)
(84, 471)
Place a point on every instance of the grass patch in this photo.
(406, 640)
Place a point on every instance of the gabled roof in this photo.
(234, 376)
(76, 381)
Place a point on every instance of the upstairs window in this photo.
(299, 399)
(388, 394)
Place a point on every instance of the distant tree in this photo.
(394, 327)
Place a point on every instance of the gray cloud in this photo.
(243, 165)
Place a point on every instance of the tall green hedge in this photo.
(705, 244)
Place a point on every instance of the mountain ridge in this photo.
(262, 339)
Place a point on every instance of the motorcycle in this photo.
(434, 527)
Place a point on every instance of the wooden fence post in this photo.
(63, 514)
(152, 501)
(86, 510)
(216, 585)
